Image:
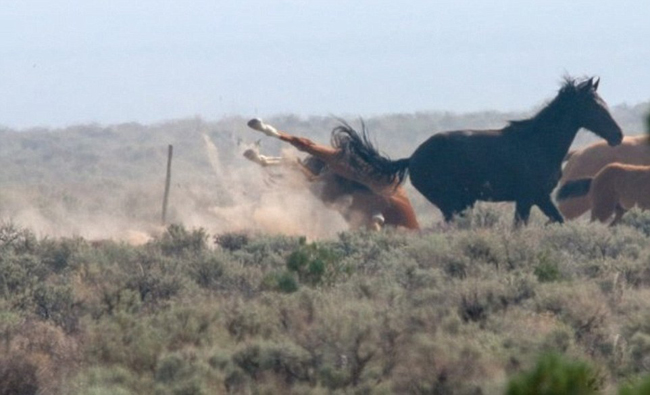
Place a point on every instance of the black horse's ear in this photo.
(586, 85)
(596, 83)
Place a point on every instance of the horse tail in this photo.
(400, 168)
(365, 157)
(575, 188)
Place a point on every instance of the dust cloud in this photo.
(269, 200)
(237, 196)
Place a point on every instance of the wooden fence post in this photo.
(167, 184)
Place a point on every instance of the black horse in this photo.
(521, 162)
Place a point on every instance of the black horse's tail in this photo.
(575, 188)
(363, 156)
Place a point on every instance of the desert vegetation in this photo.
(240, 295)
(464, 309)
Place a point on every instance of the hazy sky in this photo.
(74, 61)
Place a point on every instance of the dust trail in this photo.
(273, 201)
(213, 155)
(78, 212)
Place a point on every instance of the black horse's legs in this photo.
(454, 207)
(448, 215)
(522, 212)
(550, 210)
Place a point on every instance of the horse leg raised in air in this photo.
(614, 190)
(364, 208)
(520, 163)
(587, 162)
(351, 155)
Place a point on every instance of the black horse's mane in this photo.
(362, 154)
(571, 89)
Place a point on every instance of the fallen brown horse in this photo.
(615, 189)
(372, 200)
(585, 163)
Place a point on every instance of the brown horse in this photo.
(585, 163)
(521, 162)
(615, 189)
(372, 201)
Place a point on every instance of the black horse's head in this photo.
(591, 110)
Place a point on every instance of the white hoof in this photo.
(377, 222)
(378, 219)
(260, 126)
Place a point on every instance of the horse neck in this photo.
(556, 134)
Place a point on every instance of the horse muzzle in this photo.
(616, 140)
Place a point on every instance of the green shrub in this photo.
(316, 264)
(289, 361)
(287, 282)
(482, 247)
(639, 345)
(642, 387)
(481, 216)
(249, 320)
(186, 324)
(637, 219)
(156, 278)
(440, 365)
(478, 301)
(547, 270)
(56, 303)
(556, 375)
(107, 380)
(125, 340)
(60, 254)
(19, 274)
(179, 374)
(267, 251)
(232, 241)
(583, 308)
(13, 238)
(207, 270)
(178, 241)
(593, 242)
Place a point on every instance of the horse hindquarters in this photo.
(432, 173)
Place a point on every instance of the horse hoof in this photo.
(255, 124)
(378, 219)
(260, 126)
(251, 154)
